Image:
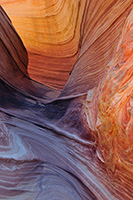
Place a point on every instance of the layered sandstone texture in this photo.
(110, 112)
(50, 31)
(55, 31)
(66, 100)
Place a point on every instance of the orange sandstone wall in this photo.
(50, 31)
(109, 111)
(54, 32)
(93, 132)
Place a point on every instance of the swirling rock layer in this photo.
(77, 143)
(50, 31)
(55, 31)
(110, 113)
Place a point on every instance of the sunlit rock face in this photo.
(50, 35)
(76, 143)
(109, 112)
(115, 104)
(54, 32)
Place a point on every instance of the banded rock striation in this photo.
(75, 143)
(56, 32)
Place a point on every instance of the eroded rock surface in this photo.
(76, 143)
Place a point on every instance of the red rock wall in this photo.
(76, 143)
(50, 31)
(54, 31)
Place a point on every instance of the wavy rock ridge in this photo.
(110, 113)
(75, 143)
(55, 31)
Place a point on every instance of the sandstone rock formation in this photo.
(74, 143)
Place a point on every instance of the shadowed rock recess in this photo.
(66, 100)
